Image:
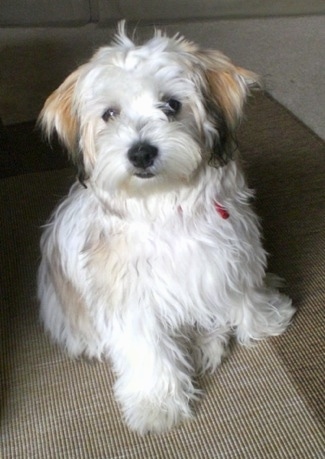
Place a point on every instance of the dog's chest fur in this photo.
(175, 252)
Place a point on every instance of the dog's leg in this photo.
(64, 313)
(263, 312)
(154, 375)
(53, 318)
(210, 348)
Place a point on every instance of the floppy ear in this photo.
(228, 87)
(60, 115)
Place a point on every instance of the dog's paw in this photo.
(208, 354)
(266, 313)
(147, 416)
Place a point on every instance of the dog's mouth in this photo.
(144, 174)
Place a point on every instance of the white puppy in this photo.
(155, 259)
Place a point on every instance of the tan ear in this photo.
(58, 114)
(228, 85)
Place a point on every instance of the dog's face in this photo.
(145, 118)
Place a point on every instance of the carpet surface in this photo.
(264, 402)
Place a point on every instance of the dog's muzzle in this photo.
(142, 157)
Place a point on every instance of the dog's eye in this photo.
(171, 107)
(109, 113)
(174, 105)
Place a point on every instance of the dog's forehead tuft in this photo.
(135, 59)
(158, 52)
(162, 66)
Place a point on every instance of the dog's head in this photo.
(148, 117)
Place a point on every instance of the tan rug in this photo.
(267, 402)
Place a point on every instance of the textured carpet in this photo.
(265, 402)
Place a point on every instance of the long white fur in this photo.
(147, 272)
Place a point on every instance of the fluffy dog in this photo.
(155, 259)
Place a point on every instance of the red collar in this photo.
(218, 207)
(221, 210)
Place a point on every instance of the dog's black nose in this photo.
(142, 155)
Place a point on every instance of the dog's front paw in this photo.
(266, 312)
(156, 416)
(209, 356)
(209, 350)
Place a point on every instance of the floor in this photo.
(289, 52)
